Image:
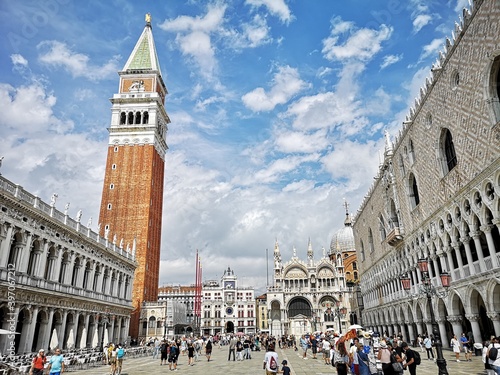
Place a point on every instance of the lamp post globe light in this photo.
(428, 290)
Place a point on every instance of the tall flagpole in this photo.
(267, 267)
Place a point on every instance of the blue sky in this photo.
(278, 110)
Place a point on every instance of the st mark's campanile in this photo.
(132, 196)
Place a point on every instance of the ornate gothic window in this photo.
(447, 150)
(413, 189)
(493, 86)
(411, 152)
(370, 240)
(381, 229)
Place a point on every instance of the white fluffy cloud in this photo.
(194, 37)
(275, 7)
(286, 84)
(361, 44)
(57, 54)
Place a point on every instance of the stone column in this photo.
(111, 330)
(27, 333)
(456, 323)
(42, 260)
(90, 281)
(68, 274)
(476, 330)
(5, 247)
(24, 255)
(86, 326)
(465, 240)
(491, 245)
(420, 327)
(81, 272)
(62, 330)
(119, 338)
(495, 318)
(411, 332)
(442, 332)
(48, 331)
(428, 326)
(456, 248)
(479, 250)
(56, 266)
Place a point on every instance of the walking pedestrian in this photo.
(56, 363)
(208, 349)
(410, 359)
(38, 363)
(271, 361)
(428, 348)
(455, 344)
(341, 358)
(232, 348)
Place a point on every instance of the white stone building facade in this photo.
(306, 296)
(436, 196)
(227, 307)
(166, 318)
(57, 275)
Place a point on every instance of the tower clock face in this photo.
(229, 311)
(229, 285)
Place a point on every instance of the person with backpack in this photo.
(172, 356)
(239, 350)
(494, 355)
(38, 363)
(163, 353)
(208, 349)
(411, 363)
(270, 361)
(120, 353)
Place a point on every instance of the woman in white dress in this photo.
(455, 345)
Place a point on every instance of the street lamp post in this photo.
(340, 312)
(428, 289)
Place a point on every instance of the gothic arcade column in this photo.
(479, 250)
(491, 245)
(428, 326)
(495, 318)
(420, 327)
(411, 332)
(456, 323)
(442, 332)
(476, 330)
(456, 248)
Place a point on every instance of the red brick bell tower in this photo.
(132, 196)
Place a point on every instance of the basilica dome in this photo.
(343, 240)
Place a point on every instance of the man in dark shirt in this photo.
(410, 359)
(285, 370)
